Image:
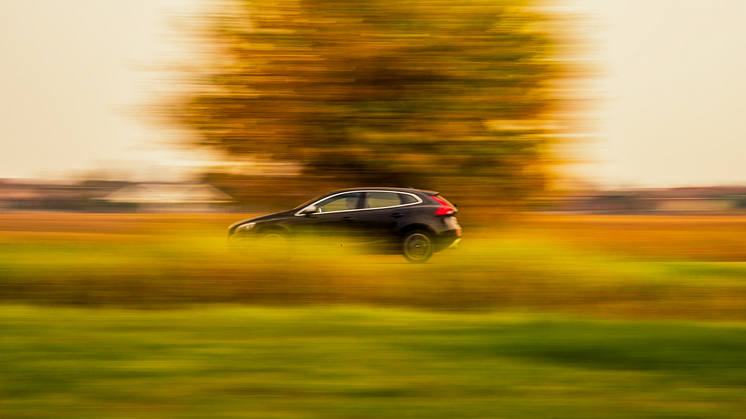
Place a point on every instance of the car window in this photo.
(407, 199)
(387, 199)
(343, 202)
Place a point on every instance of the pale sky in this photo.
(674, 88)
(676, 92)
(71, 79)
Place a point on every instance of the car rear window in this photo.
(407, 199)
(388, 199)
(383, 199)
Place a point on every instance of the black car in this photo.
(411, 222)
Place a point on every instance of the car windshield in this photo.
(307, 203)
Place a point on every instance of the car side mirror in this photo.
(308, 210)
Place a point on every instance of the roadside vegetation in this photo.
(124, 315)
(608, 266)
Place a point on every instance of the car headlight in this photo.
(245, 227)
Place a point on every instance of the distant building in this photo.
(703, 199)
(671, 200)
(28, 195)
(171, 197)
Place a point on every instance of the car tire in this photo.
(417, 246)
(274, 246)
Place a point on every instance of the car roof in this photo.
(381, 188)
(369, 188)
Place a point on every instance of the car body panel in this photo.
(376, 216)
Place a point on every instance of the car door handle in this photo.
(348, 219)
(397, 215)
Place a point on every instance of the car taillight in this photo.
(445, 208)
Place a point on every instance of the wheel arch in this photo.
(273, 228)
(417, 226)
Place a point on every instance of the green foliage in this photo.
(226, 362)
(381, 92)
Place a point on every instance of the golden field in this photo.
(659, 266)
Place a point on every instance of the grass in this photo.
(118, 316)
(224, 362)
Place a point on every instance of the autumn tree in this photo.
(379, 91)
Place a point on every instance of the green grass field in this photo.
(113, 316)
(363, 363)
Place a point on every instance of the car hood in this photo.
(258, 219)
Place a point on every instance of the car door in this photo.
(334, 219)
(383, 211)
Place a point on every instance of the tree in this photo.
(378, 91)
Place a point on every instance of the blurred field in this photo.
(232, 362)
(142, 315)
(661, 267)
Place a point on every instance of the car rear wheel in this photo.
(417, 246)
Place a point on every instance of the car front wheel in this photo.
(417, 246)
(274, 246)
